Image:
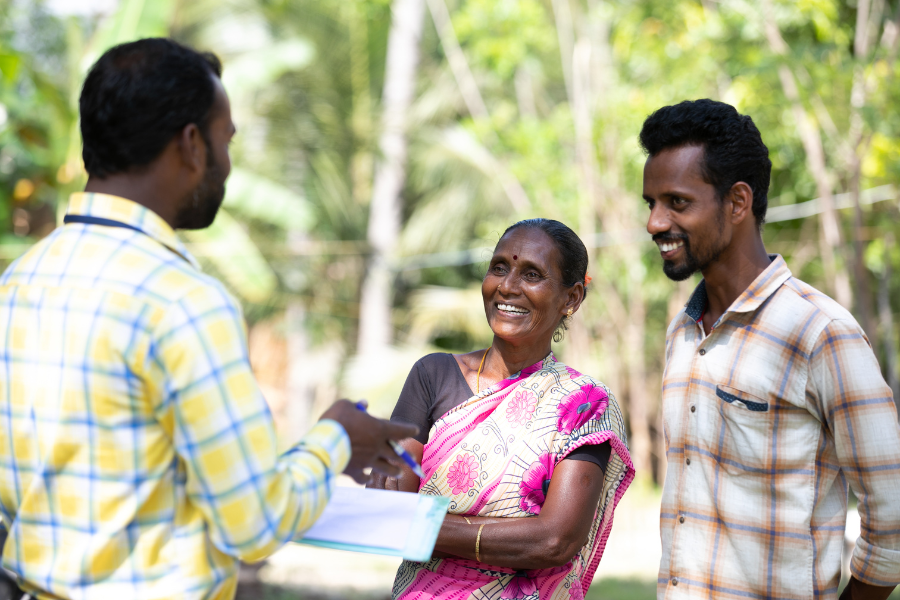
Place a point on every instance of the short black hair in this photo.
(733, 149)
(573, 254)
(139, 95)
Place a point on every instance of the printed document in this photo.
(380, 522)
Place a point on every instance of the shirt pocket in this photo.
(744, 440)
(740, 399)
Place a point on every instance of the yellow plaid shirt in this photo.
(137, 456)
(767, 419)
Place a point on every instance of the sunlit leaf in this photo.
(133, 19)
(256, 69)
(260, 198)
(233, 254)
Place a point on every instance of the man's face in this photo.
(199, 207)
(687, 219)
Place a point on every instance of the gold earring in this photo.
(569, 314)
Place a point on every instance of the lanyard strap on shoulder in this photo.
(113, 223)
(99, 221)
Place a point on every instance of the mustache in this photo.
(669, 237)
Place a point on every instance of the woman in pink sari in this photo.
(531, 452)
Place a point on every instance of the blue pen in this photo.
(361, 405)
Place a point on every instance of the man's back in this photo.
(127, 408)
(138, 457)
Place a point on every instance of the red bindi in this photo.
(515, 257)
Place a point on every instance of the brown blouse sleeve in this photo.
(415, 401)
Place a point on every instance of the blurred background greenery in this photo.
(384, 145)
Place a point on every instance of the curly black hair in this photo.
(138, 96)
(733, 147)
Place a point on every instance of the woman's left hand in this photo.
(408, 481)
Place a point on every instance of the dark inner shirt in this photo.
(435, 385)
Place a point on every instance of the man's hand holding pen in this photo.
(369, 440)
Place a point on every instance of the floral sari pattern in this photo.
(494, 455)
(520, 408)
(462, 475)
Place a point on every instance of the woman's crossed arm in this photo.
(546, 540)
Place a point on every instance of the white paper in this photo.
(365, 517)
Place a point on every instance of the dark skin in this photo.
(166, 184)
(685, 208)
(524, 273)
(163, 185)
(682, 203)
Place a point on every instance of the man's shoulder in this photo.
(813, 300)
(117, 263)
(814, 310)
(678, 322)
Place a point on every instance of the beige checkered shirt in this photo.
(767, 420)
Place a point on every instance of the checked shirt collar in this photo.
(762, 288)
(116, 208)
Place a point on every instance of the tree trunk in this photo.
(864, 303)
(362, 165)
(811, 138)
(472, 98)
(887, 322)
(589, 70)
(638, 394)
(866, 22)
(299, 401)
(375, 328)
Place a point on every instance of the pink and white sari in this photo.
(494, 455)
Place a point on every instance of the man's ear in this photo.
(192, 148)
(741, 196)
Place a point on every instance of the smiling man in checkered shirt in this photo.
(137, 455)
(773, 402)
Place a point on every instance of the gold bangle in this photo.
(478, 543)
(467, 520)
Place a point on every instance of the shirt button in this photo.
(681, 519)
(687, 460)
(702, 351)
(674, 581)
(693, 408)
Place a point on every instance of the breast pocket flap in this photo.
(736, 397)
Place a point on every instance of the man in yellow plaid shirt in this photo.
(137, 456)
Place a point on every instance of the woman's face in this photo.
(524, 296)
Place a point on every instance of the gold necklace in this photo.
(478, 376)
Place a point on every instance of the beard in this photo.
(199, 207)
(693, 261)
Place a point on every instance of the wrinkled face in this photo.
(524, 296)
(687, 219)
(199, 208)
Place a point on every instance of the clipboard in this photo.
(379, 522)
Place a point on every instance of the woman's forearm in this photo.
(546, 540)
(517, 543)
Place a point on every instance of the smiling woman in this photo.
(531, 452)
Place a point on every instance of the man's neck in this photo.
(141, 189)
(731, 275)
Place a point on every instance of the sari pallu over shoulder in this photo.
(494, 455)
